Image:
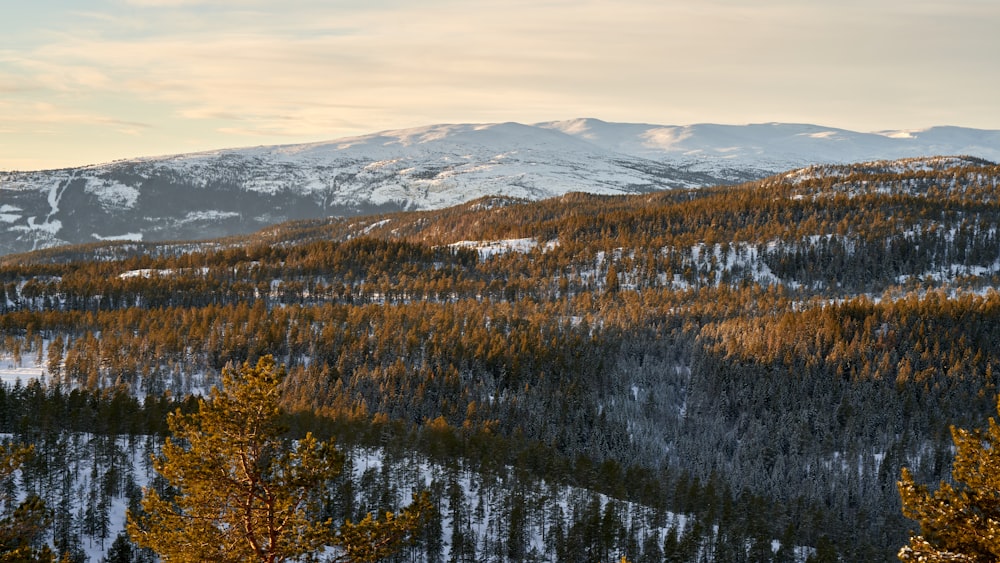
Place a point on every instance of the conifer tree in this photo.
(20, 529)
(240, 491)
(960, 522)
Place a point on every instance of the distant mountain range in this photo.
(226, 192)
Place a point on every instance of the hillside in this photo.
(761, 359)
(238, 191)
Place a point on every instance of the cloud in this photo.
(319, 69)
(246, 63)
(17, 116)
(173, 3)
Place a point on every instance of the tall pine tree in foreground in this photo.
(241, 491)
(960, 522)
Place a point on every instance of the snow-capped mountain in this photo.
(767, 148)
(235, 191)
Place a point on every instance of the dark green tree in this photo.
(27, 523)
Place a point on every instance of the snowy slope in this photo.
(773, 147)
(225, 192)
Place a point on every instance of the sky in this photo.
(86, 82)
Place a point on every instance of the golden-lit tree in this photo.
(959, 522)
(245, 492)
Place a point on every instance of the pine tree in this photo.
(21, 528)
(121, 550)
(611, 283)
(241, 491)
(55, 362)
(959, 522)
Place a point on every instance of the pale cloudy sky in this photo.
(91, 81)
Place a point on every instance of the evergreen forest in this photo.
(737, 373)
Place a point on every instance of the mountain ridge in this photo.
(584, 129)
(474, 223)
(232, 191)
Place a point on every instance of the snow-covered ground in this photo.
(27, 368)
(490, 248)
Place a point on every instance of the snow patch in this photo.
(52, 227)
(112, 194)
(134, 237)
(374, 226)
(144, 273)
(490, 248)
(148, 272)
(213, 215)
(23, 368)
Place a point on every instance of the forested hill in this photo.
(763, 358)
(823, 230)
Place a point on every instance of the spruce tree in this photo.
(21, 527)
